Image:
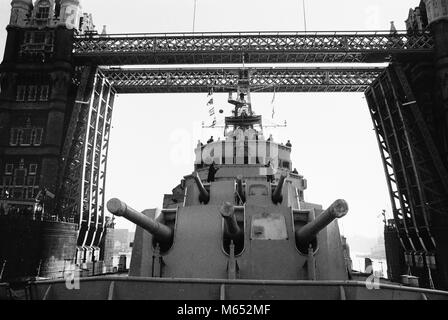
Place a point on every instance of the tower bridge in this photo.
(59, 79)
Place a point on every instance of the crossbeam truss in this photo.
(224, 79)
(416, 176)
(250, 47)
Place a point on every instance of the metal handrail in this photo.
(287, 283)
(253, 33)
(235, 69)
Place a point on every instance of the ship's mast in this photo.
(243, 116)
(243, 99)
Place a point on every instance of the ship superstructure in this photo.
(241, 214)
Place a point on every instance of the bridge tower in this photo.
(39, 90)
(437, 13)
(408, 105)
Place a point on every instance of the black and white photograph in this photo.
(239, 152)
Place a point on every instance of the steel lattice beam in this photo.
(263, 47)
(262, 79)
(416, 176)
(82, 190)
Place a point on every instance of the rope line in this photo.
(304, 14)
(194, 15)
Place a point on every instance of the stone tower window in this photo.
(14, 139)
(20, 180)
(44, 91)
(9, 168)
(26, 137)
(38, 42)
(32, 93)
(39, 37)
(43, 10)
(36, 136)
(33, 169)
(21, 92)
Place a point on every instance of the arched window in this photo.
(43, 10)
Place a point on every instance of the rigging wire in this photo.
(304, 14)
(194, 14)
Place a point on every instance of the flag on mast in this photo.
(273, 104)
(211, 107)
(210, 103)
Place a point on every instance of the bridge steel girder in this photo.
(171, 80)
(250, 47)
(416, 176)
(85, 152)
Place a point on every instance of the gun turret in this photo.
(204, 196)
(232, 230)
(240, 189)
(307, 233)
(277, 196)
(160, 232)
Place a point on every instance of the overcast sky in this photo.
(334, 145)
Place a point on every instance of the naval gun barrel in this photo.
(240, 189)
(160, 232)
(232, 229)
(308, 232)
(277, 196)
(204, 196)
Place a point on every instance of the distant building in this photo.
(122, 240)
(378, 251)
